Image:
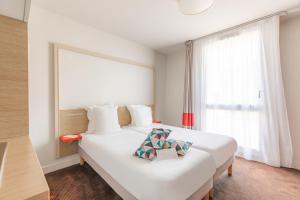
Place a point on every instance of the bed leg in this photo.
(81, 161)
(211, 193)
(206, 197)
(230, 170)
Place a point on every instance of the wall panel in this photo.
(13, 78)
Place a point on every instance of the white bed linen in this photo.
(220, 147)
(169, 179)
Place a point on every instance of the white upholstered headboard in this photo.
(84, 78)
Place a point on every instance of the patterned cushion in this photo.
(181, 146)
(158, 136)
(155, 140)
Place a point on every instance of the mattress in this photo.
(222, 148)
(167, 179)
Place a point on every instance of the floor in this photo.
(250, 181)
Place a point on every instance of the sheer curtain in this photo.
(239, 91)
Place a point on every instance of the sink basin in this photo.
(3, 148)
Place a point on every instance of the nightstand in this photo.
(156, 121)
(70, 138)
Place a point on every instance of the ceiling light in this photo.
(193, 7)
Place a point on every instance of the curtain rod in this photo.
(281, 13)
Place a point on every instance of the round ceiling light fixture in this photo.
(193, 7)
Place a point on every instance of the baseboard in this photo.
(296, 165)
(60, 164)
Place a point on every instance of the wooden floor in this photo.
(250, 181)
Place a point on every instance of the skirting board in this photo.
(296, 165)
(61, 163)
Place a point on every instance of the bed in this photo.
(222, 148)
(111, 156)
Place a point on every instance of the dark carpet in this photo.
(250, 181)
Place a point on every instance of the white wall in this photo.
(290, 59)
(13, 8)
(174, 88)
(44, 28)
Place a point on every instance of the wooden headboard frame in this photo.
(74, 121)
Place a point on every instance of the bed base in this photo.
(202, 193)
(227, 166)
(230, 170)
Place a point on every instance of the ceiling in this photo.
(158, 23)
(17, 9)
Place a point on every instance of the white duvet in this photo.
(169, 179)
(220, 147)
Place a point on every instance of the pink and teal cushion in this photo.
(155, 140)
(181, 147)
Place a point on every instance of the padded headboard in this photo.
(75, 121)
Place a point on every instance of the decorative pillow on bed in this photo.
(146, 151)
(155, 140)
(181, 146)
(158, 136)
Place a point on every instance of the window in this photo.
(237, 90)
(233, 87)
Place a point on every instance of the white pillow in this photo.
(91, 116)
(131, 111)
(140, 115)
(106, 119)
